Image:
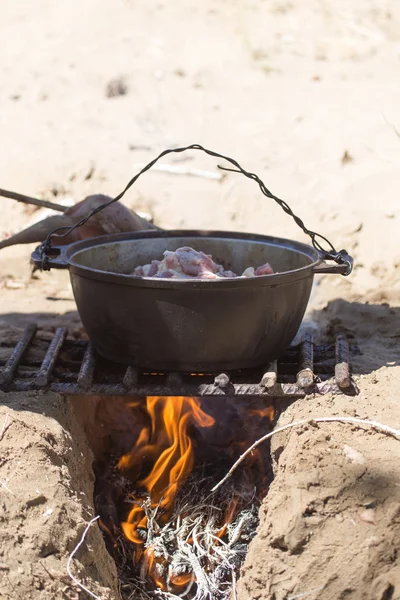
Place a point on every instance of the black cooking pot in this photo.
(190, 325)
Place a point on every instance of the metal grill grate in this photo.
(71, 367)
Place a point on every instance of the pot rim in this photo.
(68, 253)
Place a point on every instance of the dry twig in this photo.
(304, 594)
(234, 596)
(374, 424)
(195, 542)
(5, 486)
(74, 579)
(6, 425)
(34, 201)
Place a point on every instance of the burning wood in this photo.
(204, 541)
(179, 540)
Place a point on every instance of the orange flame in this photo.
(160, 462)
(180, 580)
(228, 517)
(268, 411)
(150, 566)
(167, 445)
(130, 526)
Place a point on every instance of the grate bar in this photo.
(222, 385)
(270, 377)
(86, 373)
(130, 378)
(305, 376)
(99, 389)
(11, 365)
(190, 387)
(342, 370)
(302, 370)
(49, 362)
(174, 380)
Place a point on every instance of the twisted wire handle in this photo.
(340, 257)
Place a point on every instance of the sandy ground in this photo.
(47, 500)
(304, 94)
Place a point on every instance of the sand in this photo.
(304, 94)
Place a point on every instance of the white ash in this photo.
(192, 543)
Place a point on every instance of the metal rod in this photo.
(270, 376)
(222, 380)
(305, 376)
(130, 378)
(101, 389)
(174, 380)
(12, 364)
(242, 383)
(282, 390)
(34, 201)
(43, 377)
(86, 373)
(342, 371)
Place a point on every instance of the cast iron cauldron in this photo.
(192, 325)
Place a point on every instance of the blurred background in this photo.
(306, 94)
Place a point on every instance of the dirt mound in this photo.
(330, 522)
(47, 500)
(332, 516)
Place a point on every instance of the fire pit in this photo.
(178, 537)
(169, 535)
(169, 350)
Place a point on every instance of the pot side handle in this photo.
(343, 266)
(53, 260)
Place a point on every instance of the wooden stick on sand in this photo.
(35, 201)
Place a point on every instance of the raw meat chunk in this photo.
(187, 263)
(264, 270)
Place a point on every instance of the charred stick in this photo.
(305, 376)
(342, 371)
(15, 358)
(86, 373)
(34, 201)
(223, 385)
(130, 378)
(270, 377)
(43, 377)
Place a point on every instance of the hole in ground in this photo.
(156, 461)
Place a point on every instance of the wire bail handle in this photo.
(341, 257)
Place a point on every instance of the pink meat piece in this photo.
(187, 263)
(149, 270)
(264, 270)
(196, 264)
(170, 262)
(153, 268)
